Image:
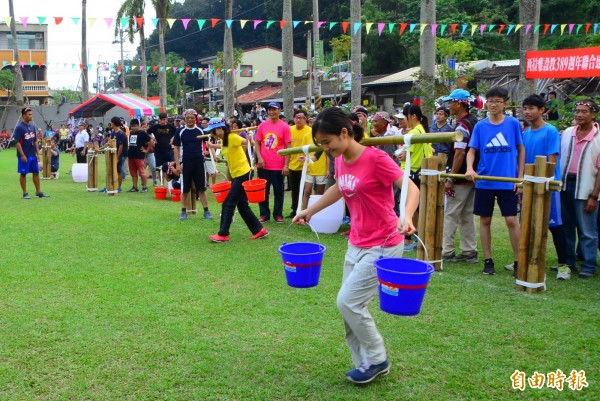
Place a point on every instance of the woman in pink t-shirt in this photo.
(365, 178)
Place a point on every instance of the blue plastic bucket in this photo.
(302, 263)
(402, 284)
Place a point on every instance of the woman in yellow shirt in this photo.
(231, 148)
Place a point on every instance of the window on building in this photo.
(246, 71)
(279, 72)
(28, 40)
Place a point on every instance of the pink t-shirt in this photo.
(367, 187)
(272, 137)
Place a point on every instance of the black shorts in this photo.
(162, 158)
(193, 170)
(484, 202)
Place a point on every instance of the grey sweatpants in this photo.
(359, 287)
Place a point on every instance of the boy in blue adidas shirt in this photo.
(499, 141)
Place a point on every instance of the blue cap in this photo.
(215, 122)
(274, 105)
(460, 95)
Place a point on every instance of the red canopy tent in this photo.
(100, 104)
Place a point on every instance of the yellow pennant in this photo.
(91, 21)
(171, 21)
(7, 20)
(243, 22)
(519, 26)
(423, 26)
(562, 28)
(473, 29)
(368, 25)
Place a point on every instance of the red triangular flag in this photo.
(546, 27)
(587, 28)
(345, 26)
(81, 66)
(58, 20)
(282, 24)
(403, 26)
(40, 64)
(154, 68)
(453, 28)
(214, 21)
(187, 69)
(120, 67)
(501, 28)
(140, 21)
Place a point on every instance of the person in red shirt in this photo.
(365, 178)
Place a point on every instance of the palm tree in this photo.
(17, 68)
(135, 9)
(427, 56)
(162, 8)
(229, 79)
(529, 12)
(355, 51)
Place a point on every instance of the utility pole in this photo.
(17, 67)
(318, 54)
(84, 70)
(309, 69)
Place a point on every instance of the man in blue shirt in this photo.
(499, 142)
(28, 155)
(543, 139)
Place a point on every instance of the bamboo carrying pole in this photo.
(387, 140)
(439, 218)
(46, 159)
(112, 177)
(554, 185)
(525, 227)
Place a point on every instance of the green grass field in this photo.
(113, 298)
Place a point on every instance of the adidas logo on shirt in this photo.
(498, 144)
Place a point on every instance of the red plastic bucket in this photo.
(176, 195)
(160, 193)
(221, 190)
(255, 190)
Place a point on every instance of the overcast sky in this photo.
(64, 40)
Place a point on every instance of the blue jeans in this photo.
(577, 221)
(275, 178)
(237, 197)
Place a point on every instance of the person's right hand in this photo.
(24, 159)
(260, 163)
(470, 174)
(302, 218)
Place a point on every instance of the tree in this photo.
(356, 52)
(229, 81)
(287, 47)
(85, 85)
(427, 56)
(162, 8)
(133, 9)
(529, 13)
(7, 79)
(17, 67)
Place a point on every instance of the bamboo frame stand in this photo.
(190, 199)
(92, 162)
(431, 211)
(112, 176)
(46, 159)
(535, 217)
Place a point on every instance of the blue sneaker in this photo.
(365, 373)
(346, 220)
(102, 190)
(119, 190)
(207, 215)
(183, 216)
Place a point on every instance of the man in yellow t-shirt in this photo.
(298, 130)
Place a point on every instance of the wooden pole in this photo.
(95, 164)
(421, 229)
(550, 168)
(387, 140)
(190, 201)
(431, 206)
(92, 163)
(46, 159)
(537, 224)
(525, 227)
(439, 218)
(108, 170)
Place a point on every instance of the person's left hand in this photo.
(286, 170)
(408, 227)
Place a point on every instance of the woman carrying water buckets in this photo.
(365, 177)
(231, 148)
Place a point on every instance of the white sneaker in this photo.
(564, 273)
(510, 267)
(56, 175)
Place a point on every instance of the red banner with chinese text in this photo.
(568, 63)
